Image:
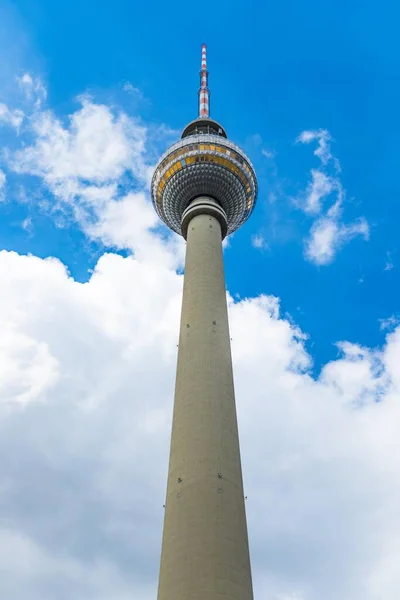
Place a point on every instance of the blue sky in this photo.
(91, 94)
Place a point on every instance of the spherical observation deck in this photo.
(204, 163)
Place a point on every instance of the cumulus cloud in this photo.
(85, 414)
(27, 369)
(97, 166)
(96, 145)
(129, 223)
(60, 577)
(323, 199)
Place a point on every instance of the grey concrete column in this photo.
(205, 554)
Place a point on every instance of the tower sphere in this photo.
(204, 163)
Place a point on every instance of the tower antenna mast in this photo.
(204, 92)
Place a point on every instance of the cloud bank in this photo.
(85, 408)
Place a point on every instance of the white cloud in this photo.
(324, 198)
(268, 153)
(27, 369)
(128, 223)
(320, 187)
(133, 91)
(226, 242)
(20, 553)
(91, 164)
(11, 117)
(84, 490)
(389, 323)
(323, 150)
(97, 146)
(327, 235)
(358, 227)
(255, 143)
(389, 262)
(33, 89)
(27, 224)
(258, 241)
(321, 246)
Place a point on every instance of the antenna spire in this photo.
(204, 92)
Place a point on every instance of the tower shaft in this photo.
(205, 554)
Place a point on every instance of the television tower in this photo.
(204, 188)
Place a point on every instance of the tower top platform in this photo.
(204, 125)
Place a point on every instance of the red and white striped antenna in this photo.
(204, 92)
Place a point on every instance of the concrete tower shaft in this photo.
(205, 554)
